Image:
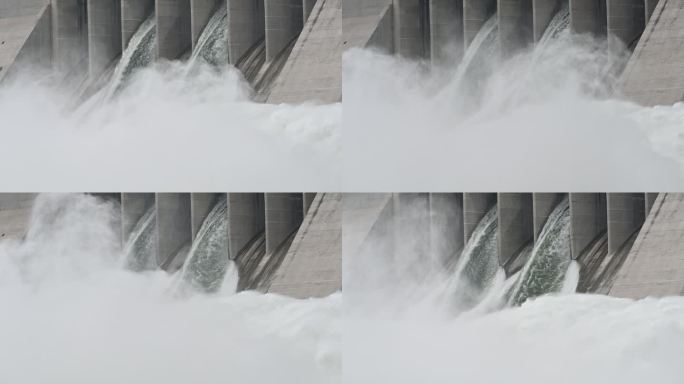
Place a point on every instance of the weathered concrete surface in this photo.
(133, 13)
(475, 206)
(446, 226)
(655, 264)
(515, 24)
(368, 23)
(625, 216)
(173, 224)
(410, 28)
(313, 264)
(515, 227)
(542, 206)
(104, 34)
(650, 200)
(587, 220)
(173, 28)
(245, 26)
(543, 12)
(446, 30)
(588, 16)
(362, 216)
(283, 23)
(200, 13)
(133, 207)
(475, 14)
(15, 214)
(69, 37)
(245, 220)
(307, 7)
(649, 8)
(200, 206)
(654, 73)
(314, 69)
(626, 20)
(283, 212)
(19, 20)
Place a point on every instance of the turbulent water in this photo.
(208, 266)
(212, 46)
(72, 314)
(548, 264)
(141, 248)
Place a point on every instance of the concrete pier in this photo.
(283, 23)
(543, 12)
(649, 201)
(308, 199)
(283, 216)
(200, 206)
(475, 14)
(18, 21)
(587, 220)
(475, 206)
(245, 220)
(368, 23)
(104, 35)
(588, 16)
(133, 207)
(173, 28)
(200, 13)
(15, 214)
(542, 206)
(625, 216)
(133, 14)
(516, 29)
(174, 229)
(446, 226)
(515, 211)
(626, 20)
(69, 37)
(411, 223)
(313, 264)
(410, 29)
(307, 6)
(245, 26)
(446, 30)
(649, 7)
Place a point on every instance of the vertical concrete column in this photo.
(200, 206)
(588, 16)
(133, 207)
(411, 224)
(69, 36)
(283, 216)
(446, 30)
(104, 34)
(475, 14)
(515, 228)
(307, 6)
(649, 7)
(587, 220)
(283, 23)
(200, 13)
(542, 13)
(626, 20)
(475, 206)
(174, 229)
(446, 226)
(625, 215)
(245, 220)
(245, 26)
(650, 199)
(515, 24)
(133, 13)
(409, 28)
(542, 206)
(173, 28)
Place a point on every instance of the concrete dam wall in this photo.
(82, 39)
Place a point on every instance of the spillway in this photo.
(481, 51)
(479, 262)
(212, 46)
(558, 25)
(141, 249)
(546, 268)
(209, 261)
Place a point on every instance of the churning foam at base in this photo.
(542, 120)
(71, 314)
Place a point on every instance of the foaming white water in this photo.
(542, 121)
(166, 131)
(71, 314)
